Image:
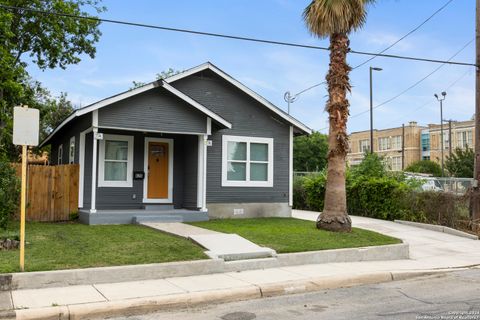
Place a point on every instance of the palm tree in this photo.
(336, 19)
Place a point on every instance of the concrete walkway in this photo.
(430, 252)
(228, 247)
(428, 249)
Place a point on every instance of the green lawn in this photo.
(293, 235)
(52, 246)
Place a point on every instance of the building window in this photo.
(395, 163)
(71, 150)
(445, 140)
(426, 158)
(247, 161)
(383, 144)
(397, 142)
(464, 139)
(115, 167)
(60, 154)
(364, 145)
(425, 142)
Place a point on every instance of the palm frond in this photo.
(326, 17)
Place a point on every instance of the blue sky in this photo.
(125, 54)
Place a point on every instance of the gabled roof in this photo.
(166, 85)
(241, 86)
(133, 92)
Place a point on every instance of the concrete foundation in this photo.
(248, 210)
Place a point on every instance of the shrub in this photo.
(299, 193)
(9, 193)
(425, 166)
(315, 191)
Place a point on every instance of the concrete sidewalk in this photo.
(431, 252)
(229, 247)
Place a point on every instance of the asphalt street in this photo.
(453, 295)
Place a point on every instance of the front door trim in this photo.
(170, 170)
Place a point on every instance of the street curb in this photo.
(143, 305)
(89, 276)
(438, 228)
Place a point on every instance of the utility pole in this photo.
(444, 94)
(403, 146)
(371, 107)
(475, 197)
(450, 137)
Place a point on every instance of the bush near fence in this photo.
(374, 192)
(52, 191)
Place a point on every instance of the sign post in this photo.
(26, 125)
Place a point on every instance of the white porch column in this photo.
(202, 172)
(93, 199)
(290, 169)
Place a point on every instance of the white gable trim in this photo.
(242, 87)
(197, 105)
(131, 93)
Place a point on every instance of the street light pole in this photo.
(371, 107)
(441, 124)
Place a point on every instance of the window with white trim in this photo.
(71, 150)
(247, 161)
(115, 167)
(397, 142)
(364, 145)
(384, 143)
(60, 154)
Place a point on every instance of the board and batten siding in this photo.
(156, 110)
(249, 118)
(184, 176)
(63, 137)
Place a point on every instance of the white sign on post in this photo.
(26, 125)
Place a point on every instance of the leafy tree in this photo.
(425, 166)
(336, 19)
(310, 152)
(460, 163)
(47, 40)
(372, 166)
(160, 76)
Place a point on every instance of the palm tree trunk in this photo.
(334, 216)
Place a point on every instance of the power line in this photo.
(226, 36)
(413, 85)
(416, 83)
(407, 34)
(384, 50)
(431, 101)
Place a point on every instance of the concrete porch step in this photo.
(157, 207)
(157, 218)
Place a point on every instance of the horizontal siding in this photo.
(156, 110)
(249, 118)
(63, 136)
(123, 198)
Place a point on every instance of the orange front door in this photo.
(157, 170)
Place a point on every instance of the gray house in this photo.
(198, 144)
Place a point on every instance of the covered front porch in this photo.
(142, 177)
(136, 216)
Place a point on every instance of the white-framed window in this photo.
(364, 145)
(464, 139)
(115, 165)
(60, 154)
(397, 142)
(247, 161)
(71, 150)
(396, 164)
(384, 143)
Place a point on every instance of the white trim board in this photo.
(101, 162)
(247, 182)
(242, 87)
(170, 170)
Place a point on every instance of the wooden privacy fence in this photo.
(52, 193)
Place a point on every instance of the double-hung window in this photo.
(247, 161)
(115, 168)
(71, 150)
(60, 154)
